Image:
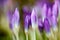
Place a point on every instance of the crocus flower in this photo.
(54, 16)
(9, 15)
(27, 17)
(40, 25)
(34, 22)
(14, 23)
(44, 10)
(54, 23)
(26, 10)
(55, 9)
(34, 18)
(49, 15)
(26, 23)
(46, 25)
(13, 18)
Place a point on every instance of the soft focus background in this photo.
(5, 31)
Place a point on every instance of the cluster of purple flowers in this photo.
(44, 14)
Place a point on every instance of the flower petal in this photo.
(34, 19)
(46, 25)
(26, 23)
(15, 18)
(55, 9)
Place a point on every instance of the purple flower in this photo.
(54, 22)
(53, 18)
(49, 15)
(40, 25)
(46, 25)
(27, 17)
(26, 10)
(13, 18)
(34, 18)
(26, 22)
(44, 10)
(55, 9)
(9, 16)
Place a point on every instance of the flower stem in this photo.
(26, 36)
(32, 35)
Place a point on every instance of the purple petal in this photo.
(49, 13)
(9, 16)
(15, 17)
(34, 19)
(44, 9)
(27, 17)
(26, 10)
(26, 22)
(40, 25)
(46, 25)
(55, 9)
(11, 26)
(54, 21)
(50, 3)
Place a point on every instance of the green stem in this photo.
(26, 36)
(33, 35)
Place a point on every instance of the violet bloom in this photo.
(40, 25)
(49, 15)
(54, 16)
(46, 25)
(55, 9)
(34, 18)
(44, 10)
(27, 17)
(54, 22)
(10, 19)
(26, 23)
(13, 18)
(26, 10)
